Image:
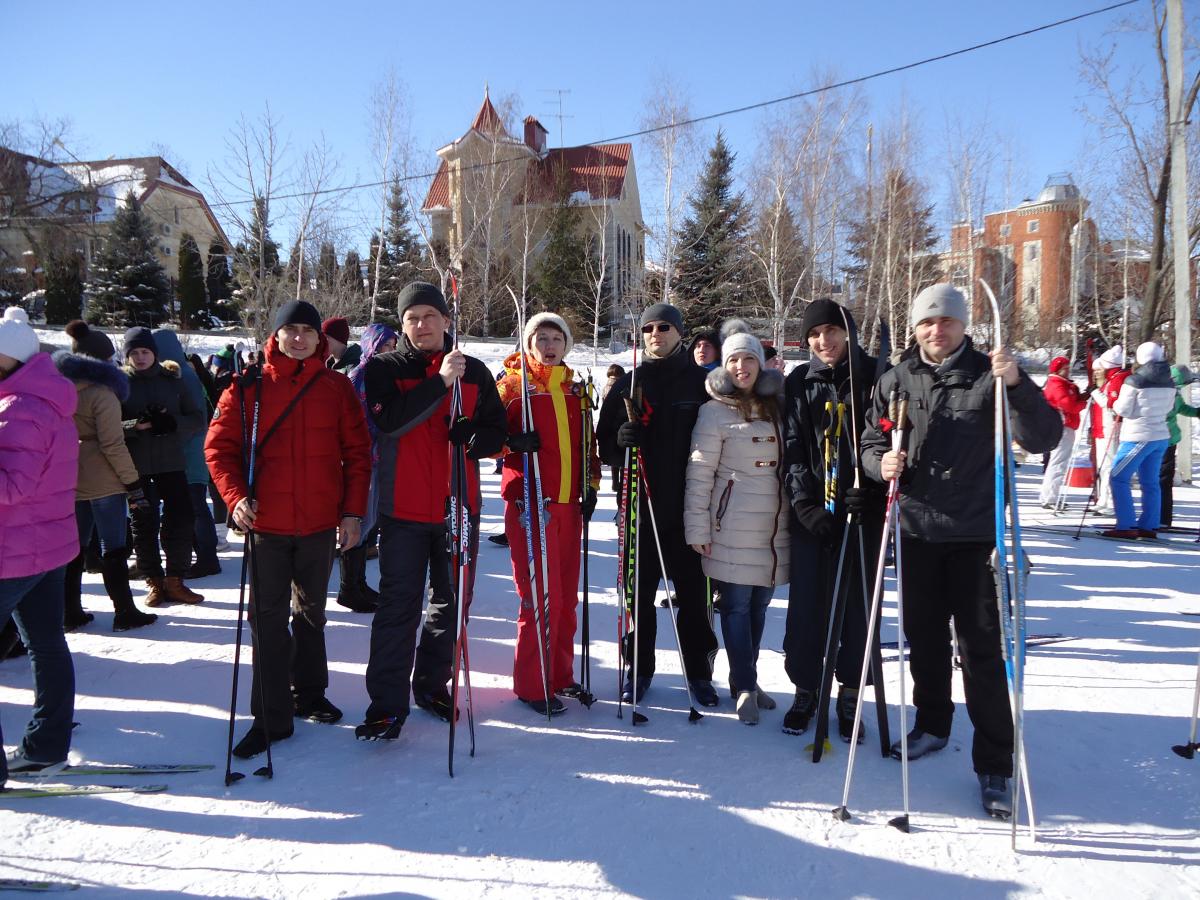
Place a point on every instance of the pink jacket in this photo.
(39, 458)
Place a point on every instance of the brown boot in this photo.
(178, 592)
(157, 595)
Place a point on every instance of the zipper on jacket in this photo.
(723, 503)
(778, 501)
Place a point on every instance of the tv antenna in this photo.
(558, 101)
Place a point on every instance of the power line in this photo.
(763, 104)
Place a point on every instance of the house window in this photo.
(1033, 249)
(166, 251)
(1032, 226)
(1005, 230)
(177, 215)
(166, 229)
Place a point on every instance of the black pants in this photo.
(810, 602)
(941, 581)
(1166, 484)
(220, 511)
(288, 582)
(696, 634)
(175, 526)
(410, 555)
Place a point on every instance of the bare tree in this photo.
(318, 169)
(389, 141)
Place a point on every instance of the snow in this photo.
(587, 806)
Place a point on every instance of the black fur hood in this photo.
(80, 368)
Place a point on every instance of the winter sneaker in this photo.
(572, 691)
(18, 762)
(747, 707)
(317, 709)
(1121, 534)
(435, 700)
(385, 729)
(255, 742)
(1146, 534)
(129, 619)
(178, 592)
(847, 700)
(765, 700)
(996, 796)
(643, 685)
(804, 707)
(557, 707)
(76, 619)
(704, 693)
(354, 600)
(204, 569)
(919, 744)
(501, 539)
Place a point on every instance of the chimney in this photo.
(535, 135)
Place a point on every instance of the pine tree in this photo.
(257, 270)
(128, 285)
(711, 263)
(403, 258)
(327, 267)
(218, 282)
(560, 281)
(64, 285)
(193, 298)
(352, 276)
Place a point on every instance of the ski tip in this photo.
(826, 747)
(639, 719)
(233, 778)
(842, 814)
(1187, 751)
(265, 772)
(694, 715)
(900, 823)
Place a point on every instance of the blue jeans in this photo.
(36, 604)
(743, 615)
(371, 517)
(204, 530)
(1143, 458)
(108, 515)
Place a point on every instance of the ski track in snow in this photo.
(588, 807)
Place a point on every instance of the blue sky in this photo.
(179, 75)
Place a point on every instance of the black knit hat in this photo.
(824, 312)
(663, 312)
(89, 342)
(138, 337)
(421, 293)
(707, 334)
(297, 312)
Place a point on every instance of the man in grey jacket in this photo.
(947, 523)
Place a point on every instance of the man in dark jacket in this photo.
(312, 470)
(408, 393)
(947, 523)
(343, 355)
(669, 389)
(822, 423)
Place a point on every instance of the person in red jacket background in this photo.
(312, 471)
(1109, 373)
(557, 405)
(1063, 395)
(408, 394)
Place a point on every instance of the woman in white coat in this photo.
(735, 514)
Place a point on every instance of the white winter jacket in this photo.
(733, 499)
(1146, 399)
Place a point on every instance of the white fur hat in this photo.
(555, 321)
(17, 339)
(1112, 358)
(1149, 352)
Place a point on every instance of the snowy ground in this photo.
(590, 807)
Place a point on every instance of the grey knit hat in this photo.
(939, 300)
(736, 338)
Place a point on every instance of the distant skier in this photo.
(1062, 394)
(947, 524)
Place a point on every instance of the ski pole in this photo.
(1188, 750)
(635, 501)
(585, 654)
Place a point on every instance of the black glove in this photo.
(631, 434)
(818, 520)
(161, 421)
(137, 496)
(589, 503)
(860, 500)
(462, 432)
(526, 442)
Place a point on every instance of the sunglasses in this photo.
(661, 328)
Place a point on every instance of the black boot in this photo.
(73, 614)
(116, 584)
(804, 707)
(10, 641)
(352, 566)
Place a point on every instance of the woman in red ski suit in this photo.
(558, 405)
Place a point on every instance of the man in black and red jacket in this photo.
(408, 396)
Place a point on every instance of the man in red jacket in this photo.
(1063, 395)
(408, 396)
(312, 470)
